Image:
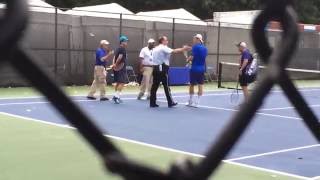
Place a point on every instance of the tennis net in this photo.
(304, 78)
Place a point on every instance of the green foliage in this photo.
(308, 10)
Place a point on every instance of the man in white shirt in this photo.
(161, 59)
(146, 67)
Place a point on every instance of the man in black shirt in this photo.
(119, 68)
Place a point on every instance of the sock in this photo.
(117, 94)
(199, 97)
(191, 98)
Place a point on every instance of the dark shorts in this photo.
(245, 80)
(120, 76)
(196, 78)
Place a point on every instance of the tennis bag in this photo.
(252, 69)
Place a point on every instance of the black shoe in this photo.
(104, 99)
(154, 105)
(91, 98)
(173, 105)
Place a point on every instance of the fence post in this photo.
(56, 43)
(120, 29)
(173, 32)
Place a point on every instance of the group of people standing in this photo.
(154, 66)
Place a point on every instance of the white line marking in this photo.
(275, 152)
(285, 108)
(162, 148)
(84, 100)
(128, 94)
(258, 113)
(268, 170)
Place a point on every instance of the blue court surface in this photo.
(276, 140)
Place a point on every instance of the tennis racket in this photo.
(234, 98)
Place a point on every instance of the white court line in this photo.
(315, 178)
(285, 108)
(258, 113)
(275, 152)
(128, 94)
(163, 148)
(85, 100)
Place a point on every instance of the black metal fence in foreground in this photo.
(15, 20)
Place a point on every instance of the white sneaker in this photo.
(189, 103)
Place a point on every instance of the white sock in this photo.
(120, 94)
(191, 98)
(117, 94)
(198, 101)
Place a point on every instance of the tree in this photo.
(308, 10)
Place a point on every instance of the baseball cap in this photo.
(151, 41)
(242, 44)
(104, 42)
(123, 38)
(199, 36)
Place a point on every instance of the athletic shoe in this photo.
(189, 103)
(148, 97)
(91, 98)
(173, 105)
(154, 106)
(140, 96)
(120, 100)
(104, 99)
(115, 100)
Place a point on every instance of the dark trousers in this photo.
(160, 77)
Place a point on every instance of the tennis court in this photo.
(41, 145)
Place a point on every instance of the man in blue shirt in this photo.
(198, 68)
(103, 54)
(245, 61)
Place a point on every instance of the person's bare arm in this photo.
(190, 59)
(244, 65)
(118, 61)
(106, 58)
(180, 50)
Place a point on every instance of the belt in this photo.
(148, 65)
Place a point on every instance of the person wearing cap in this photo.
(103, 54)
(161, 59)
(245, 61)
(198, 68)
(119, 68)
(146, 67)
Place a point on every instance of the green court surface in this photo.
(35, 151)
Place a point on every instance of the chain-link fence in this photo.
(13, 25)
(65, 41)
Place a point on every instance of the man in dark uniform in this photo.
(161, 58)
(245, 61)
(119, 68)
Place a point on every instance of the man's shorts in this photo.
(196, 78)
(245, 80)
(121, 76)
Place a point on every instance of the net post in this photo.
(218, 45)
(219, 75)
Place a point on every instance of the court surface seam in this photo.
(160, 147)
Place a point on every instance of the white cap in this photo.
(151, 41)
(199, 36)
(242, 44)
(104, 42)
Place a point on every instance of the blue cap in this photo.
(123, 39)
